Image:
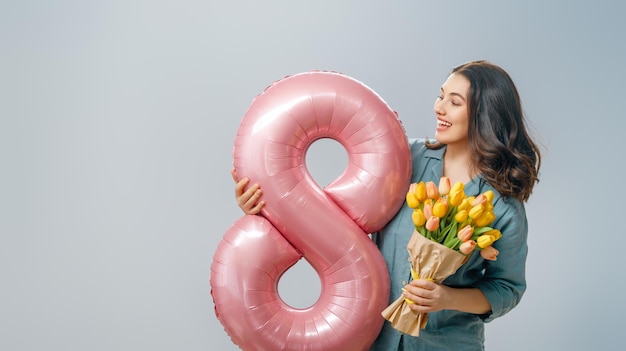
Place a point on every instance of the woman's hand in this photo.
(428, 296)
(432, 297)
(247, 199)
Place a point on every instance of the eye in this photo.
(440, 97)
(454, 103)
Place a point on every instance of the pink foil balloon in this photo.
(328, 227)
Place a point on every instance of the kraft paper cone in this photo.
(432, 261)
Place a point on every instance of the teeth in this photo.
(445, 124)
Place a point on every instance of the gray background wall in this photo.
(117, 122)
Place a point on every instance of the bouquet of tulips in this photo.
(448, 227)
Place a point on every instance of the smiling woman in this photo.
(478, 109)
(481, 142)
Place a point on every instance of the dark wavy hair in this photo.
(500, 146)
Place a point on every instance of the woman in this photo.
(482, 141)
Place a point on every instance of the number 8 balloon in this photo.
(328, 227)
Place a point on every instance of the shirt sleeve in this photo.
(504, 280)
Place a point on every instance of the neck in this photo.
(457, 164)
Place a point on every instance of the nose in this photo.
(439, 106)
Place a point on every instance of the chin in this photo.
(441, 139)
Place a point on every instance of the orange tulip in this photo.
(489, 253)
(428, 208)
(479, 200)
(465, 233)
(432, 191)
(467, 247)
(432, 223)
(444, 186)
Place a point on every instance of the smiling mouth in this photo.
(443, 123)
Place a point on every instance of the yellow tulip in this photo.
(440, 208)
(465, 205)
(461, 216)
(484, 219)
(420, 191)
(476, 211)
(489, 206)
(495, 233)
(490, 195)
(444, 186)
(414, 274)
(484, 240)
(411, 200)
(456, 195)
(458, 186)
(418, 217)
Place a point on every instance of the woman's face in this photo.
(452, 111)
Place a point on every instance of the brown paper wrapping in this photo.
(432, 261)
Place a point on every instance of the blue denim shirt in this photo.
(502, 281)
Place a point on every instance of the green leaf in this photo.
(480, 230)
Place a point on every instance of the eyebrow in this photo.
(453, 93)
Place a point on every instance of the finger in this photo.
(240, 186)
(414, 299)
(419, 298)
(233, 173)
(251, 196)
(257, 208)
(418, 291)
(420, 308)
(423, 283)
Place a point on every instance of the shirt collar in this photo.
(473, 187)
(435, 153)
